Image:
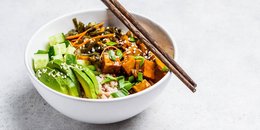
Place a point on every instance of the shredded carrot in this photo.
(104, 36)
(73, 37)
(82, 34)
(99, 25)
(94, 38)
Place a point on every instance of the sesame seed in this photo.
(93, 49)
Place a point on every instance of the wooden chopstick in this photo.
(151, 39)
(151, 44)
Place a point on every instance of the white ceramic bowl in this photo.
(98, 111)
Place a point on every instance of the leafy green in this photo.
(51, 52)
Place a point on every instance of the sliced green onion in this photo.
(140, 58)
(111, 77)
(112, 55)
(120, 77)
(140, 76)
(119, 53)
(165, 69)
(131, 79)
(118, 94)
(111, 43)
(106, 80)
(124, 91)
(91, 67)
(131, 39)
(127, 85)
(121, 82)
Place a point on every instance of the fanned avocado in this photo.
(73, 90)
(72, 82)
(93, 78)
(52, 78)
(86, 83)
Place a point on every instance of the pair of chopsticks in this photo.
(125, 17)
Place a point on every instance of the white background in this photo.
(218, 45)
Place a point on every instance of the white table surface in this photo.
(218, 44)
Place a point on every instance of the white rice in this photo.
(107, 88)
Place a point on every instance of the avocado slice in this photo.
(93, 78)
(52, 78)
(85, 82)
(72, 82)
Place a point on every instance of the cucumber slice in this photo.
(59, 57)
(83, 62)
(56, 39)
(40, 60)
(60, 49)
(70, 50)
(41, 52)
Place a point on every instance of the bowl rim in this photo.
(33, 77)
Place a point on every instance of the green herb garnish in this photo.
(131, 39)
(91, 67)
(106, 80)
(112, 55)
(131, 79)
(127, 85)
(119, 53)
(165, 69)
(140, 58)
(111, 77)
(111, 43)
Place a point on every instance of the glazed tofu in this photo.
(148, 69)
(141, 86)
(129, 64)
(109, 66)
